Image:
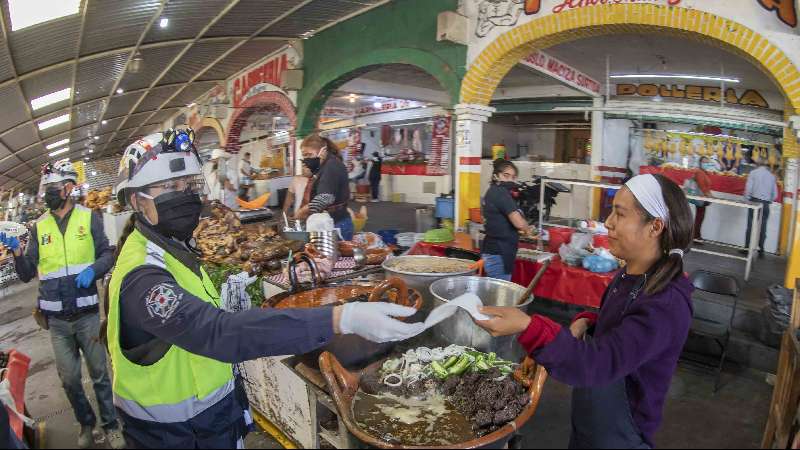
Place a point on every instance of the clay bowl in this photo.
(343, 386)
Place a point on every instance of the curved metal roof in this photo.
(205, 43)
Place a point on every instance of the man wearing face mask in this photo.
(172, 347)
(503, 222)
(69, 251)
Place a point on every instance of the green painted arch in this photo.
(313, 97)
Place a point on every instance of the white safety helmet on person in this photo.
(158, 158)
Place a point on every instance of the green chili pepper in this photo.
(482, 365)
(438, 370)
(450, 361)
(461, 366)
(492, 358)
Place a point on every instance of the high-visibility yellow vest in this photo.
(180, 385)
(61, 258)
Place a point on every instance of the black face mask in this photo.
(178, 214)
(508, 184)
(53, 200)
(313, 164)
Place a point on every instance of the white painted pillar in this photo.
(469, 150)
(598, 129)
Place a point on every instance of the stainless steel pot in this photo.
(461, 330)
(422, 281)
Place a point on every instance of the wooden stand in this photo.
(784, 412)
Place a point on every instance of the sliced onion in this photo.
(395, 376)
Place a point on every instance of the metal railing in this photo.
(753, 207)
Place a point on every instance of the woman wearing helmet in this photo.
(171, 346)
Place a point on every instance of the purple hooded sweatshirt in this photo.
(642, 344)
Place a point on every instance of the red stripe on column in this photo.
(470, 161)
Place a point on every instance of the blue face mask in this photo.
(708, 167)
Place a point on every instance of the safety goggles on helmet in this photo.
(190, 184)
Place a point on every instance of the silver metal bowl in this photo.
(461, 330)
(422, 281)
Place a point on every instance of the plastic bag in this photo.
(581, 241)
(369, 240)
(599, 264)
(321, 222)
(574, 252)
(593, 227)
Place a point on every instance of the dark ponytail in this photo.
(677, 235)
(126, 232)
(500, 166)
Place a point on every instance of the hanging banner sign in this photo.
(563, 72)
(394, 105)
(713, 94)
(264, 77)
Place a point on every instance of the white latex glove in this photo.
(374, 322)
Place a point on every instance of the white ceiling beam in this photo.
(231, 4)
(233, 49)
(132, 53)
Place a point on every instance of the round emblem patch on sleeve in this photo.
(162, 301)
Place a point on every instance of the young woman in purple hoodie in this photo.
(621, 362)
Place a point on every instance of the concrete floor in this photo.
(694, 417)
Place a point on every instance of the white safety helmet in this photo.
(157, 158)
(58, 172)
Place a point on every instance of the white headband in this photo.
(647, 191)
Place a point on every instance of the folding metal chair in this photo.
(714, 328)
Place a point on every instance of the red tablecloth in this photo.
(720, 183)
(563, 283)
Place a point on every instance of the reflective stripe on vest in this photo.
(61, 273)
(82, 302)
(179, 412)
(180, 385)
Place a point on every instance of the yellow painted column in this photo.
(598, 132)
(469, 150)
(791, 153)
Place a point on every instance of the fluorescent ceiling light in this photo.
(57, 144)
(164, 22)
(49, 99)
(104, 122)
(25, 13)
(682, 77)
(53, 122)
(58, 152)
(120, 90)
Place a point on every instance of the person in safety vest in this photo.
(69, 251)
(172, 347)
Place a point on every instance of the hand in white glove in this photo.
(375, 322)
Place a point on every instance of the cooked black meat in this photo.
(450, 385)
(372, 384)
(506, 415)
(500, 404)
(483, 418)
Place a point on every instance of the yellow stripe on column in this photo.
(793, 269)
(469, 194)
